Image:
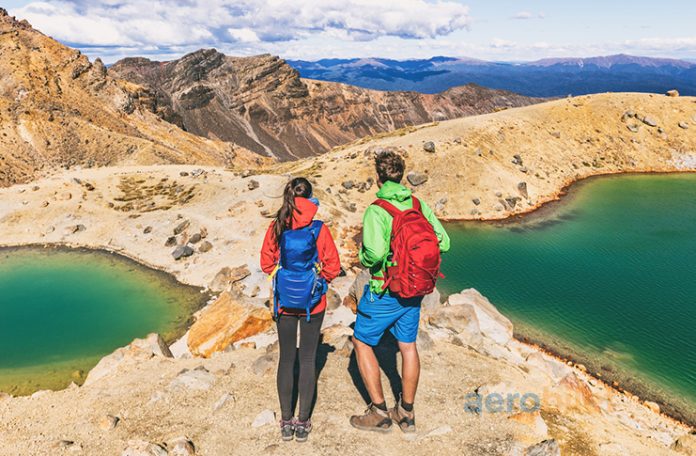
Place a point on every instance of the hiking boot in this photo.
(404, 419)
(287, 429)
(374, 419)
(302, 430)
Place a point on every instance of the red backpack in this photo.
(415, 262)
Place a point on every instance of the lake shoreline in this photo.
(559, 197)
(610, 381)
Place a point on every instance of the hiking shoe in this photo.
(404, 419)
(302, 430)
(287, 429)
(374, 419)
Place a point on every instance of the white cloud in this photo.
(245, 35)
(196, 23)
(684, 44)
(523, 15)
(498, 43)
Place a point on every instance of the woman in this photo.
(298, 249)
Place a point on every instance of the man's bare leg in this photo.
(369, 371)
(410, 371)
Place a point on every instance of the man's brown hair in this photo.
(390, 166)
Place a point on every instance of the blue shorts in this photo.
(377, 313)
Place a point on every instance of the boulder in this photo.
(416, 178)
(491, 323)
(181, 227)
(459, 322)
(181, 446)
(108, 422)
(424, 342)
(685, 444)
(142, 448)
(222, 401)
(348, 184)
(341, 316)
(198, 379)
(152, 343)
(571, 393)
(429, 146)
(333, 300)
(652, 406)
(517, 160)
(535, 425)
(545, 448)
(673, 93)
(72, 229)
(683, 125)
(261, 340)
(338, 337)
(267, 417)
(151, 346)
(171, 241)
(356, 290)
(432, 301)
(182, 251)
(205, 247)
(228, 276)
(476, 201)
(195, 238)
(553, 368)
(264, 364)
(253, 184)
(522, 188)
(224, 322)
(180, 348)
(649, 121)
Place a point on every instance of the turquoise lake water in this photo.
(61, 311)
(607, 276)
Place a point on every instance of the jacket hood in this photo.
(304, 213)
(393, 191)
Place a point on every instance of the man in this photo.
(379, 310)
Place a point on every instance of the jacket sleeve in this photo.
(269, 251)
(328, 255)
(440, 232)
(375, 244)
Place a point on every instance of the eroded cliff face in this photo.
(261, 103)
(58, 109)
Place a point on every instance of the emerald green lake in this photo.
(607, 276)
(61, 311)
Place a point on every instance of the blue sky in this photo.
(509, 30)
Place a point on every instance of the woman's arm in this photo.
(328, 255)
(269, 251)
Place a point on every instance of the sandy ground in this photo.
(152, 409)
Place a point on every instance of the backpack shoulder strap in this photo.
(387, 206)
(416, 204)
(315, 228)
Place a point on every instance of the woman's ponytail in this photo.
(297, 187)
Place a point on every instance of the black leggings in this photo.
(309, 341)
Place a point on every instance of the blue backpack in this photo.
(297, 284)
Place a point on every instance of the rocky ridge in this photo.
(262, 104)
(58, 109)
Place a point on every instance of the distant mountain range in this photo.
(542, 78)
